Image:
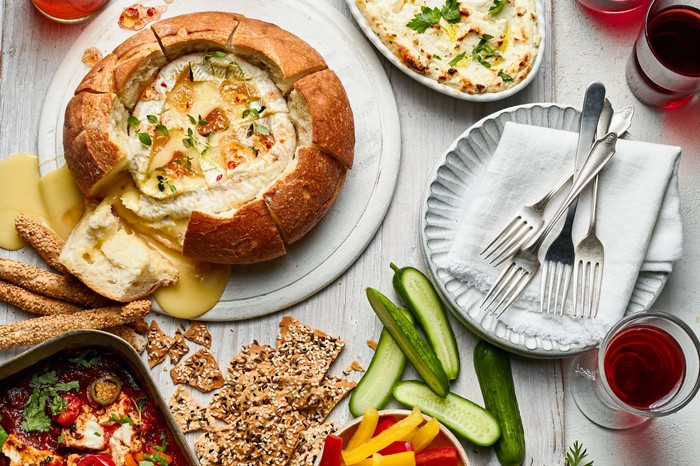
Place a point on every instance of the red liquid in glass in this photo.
(674, 37)
(643, 365)
(68, 9)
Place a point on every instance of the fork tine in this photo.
(577, 287)
(506, 254)
(543, 285)
(513, 236)
(598, 286)
(562, 292)
(495, 288)
(524, 279)
(507, 293)
(516, 242)
(516, 221)
(591, 279)
(548, 278)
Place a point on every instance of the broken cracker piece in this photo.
(372, 344)
(179, 348)
(305, 351)
(158, 344)
(200, 371)
(354, 366)
(310, 444)
(136, 340)
(333, 390)
(198, 333)
(189, 415)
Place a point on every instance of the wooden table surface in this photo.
(581, 47)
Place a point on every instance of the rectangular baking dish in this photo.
(83, 339)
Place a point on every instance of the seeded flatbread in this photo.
(200, 370)
(305, 351)
(189, 415)
(310, 444)
(334, 389)
(158, 344)
(198, 333)
(179, 348)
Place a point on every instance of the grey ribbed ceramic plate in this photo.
(452, 187)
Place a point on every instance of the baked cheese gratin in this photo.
(474, 46)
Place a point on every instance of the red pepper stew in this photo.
(48, 416)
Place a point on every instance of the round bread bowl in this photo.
(445, 438)
(282, 211)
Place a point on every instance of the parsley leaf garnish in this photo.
(457, 59)
(431, 16)
(576, 455)
(125, 419)
(497, 7)
(505, 77)
(45, 391)
(483, 51)
(89, 357)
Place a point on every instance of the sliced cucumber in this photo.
(420, 297)
(385, 369)
(410, 341)
(463, 417)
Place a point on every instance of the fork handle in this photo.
(601, 152)
(594, 205)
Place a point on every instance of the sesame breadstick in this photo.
(44, 241)
(49, 284)
(35, 303)
(32, 331)
(128, 334)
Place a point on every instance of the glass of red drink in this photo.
(613, 6)
(664, 68)
(648, 365)
(68, 11)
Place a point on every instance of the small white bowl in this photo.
(444, 438)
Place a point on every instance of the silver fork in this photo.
(559, 258)
(590, 253)
(522, 267)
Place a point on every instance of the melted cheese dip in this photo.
(210, 134)
(444, 52)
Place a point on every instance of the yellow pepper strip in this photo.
(425, 434)
(365, 429)
(406, 458)
(384, 439)
(373, 461)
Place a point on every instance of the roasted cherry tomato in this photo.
(67, 417)
(96, 460)
(105, 390)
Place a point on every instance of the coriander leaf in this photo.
(505, 77)
(57, 405)
(89, 357)
(49, 378)
(423, 20)
(60, 438)
(450, 11)
(497, 7)
(145, 139)
(457, 59)
(35, 418)
(66, 387)
(3, 435)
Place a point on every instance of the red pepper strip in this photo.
(443, 456)
(331, 451)
(397, 447)
(383, 425)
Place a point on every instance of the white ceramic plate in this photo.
(452, 187)
(443, 88)
(341, 236)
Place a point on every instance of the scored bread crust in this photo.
(318, 107)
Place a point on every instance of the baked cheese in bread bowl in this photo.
(217, 135)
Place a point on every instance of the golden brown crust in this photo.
(301, 197)
(32, 331)
(332, 123)
(287, 56)
(196, 32)
(91, 155)
(49, 284)
(139, 58)
(248, 237)
(100, 79)
(44, 240)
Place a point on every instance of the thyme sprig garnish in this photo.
(576, 455)
(253, 114)
(164, 182)
(152, 119)
(190, 141)
(144, 137)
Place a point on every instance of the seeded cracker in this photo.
(198, 333)
(304, 351)
(189, 415)
(179, 348)
(200, 371)
(310, 444)
(334, 389)
(158, 344)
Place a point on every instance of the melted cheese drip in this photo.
(200, 286)
(52, 199)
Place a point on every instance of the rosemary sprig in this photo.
(576, 455)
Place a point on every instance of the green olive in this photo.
(105, 390)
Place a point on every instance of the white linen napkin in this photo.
(638, 219)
